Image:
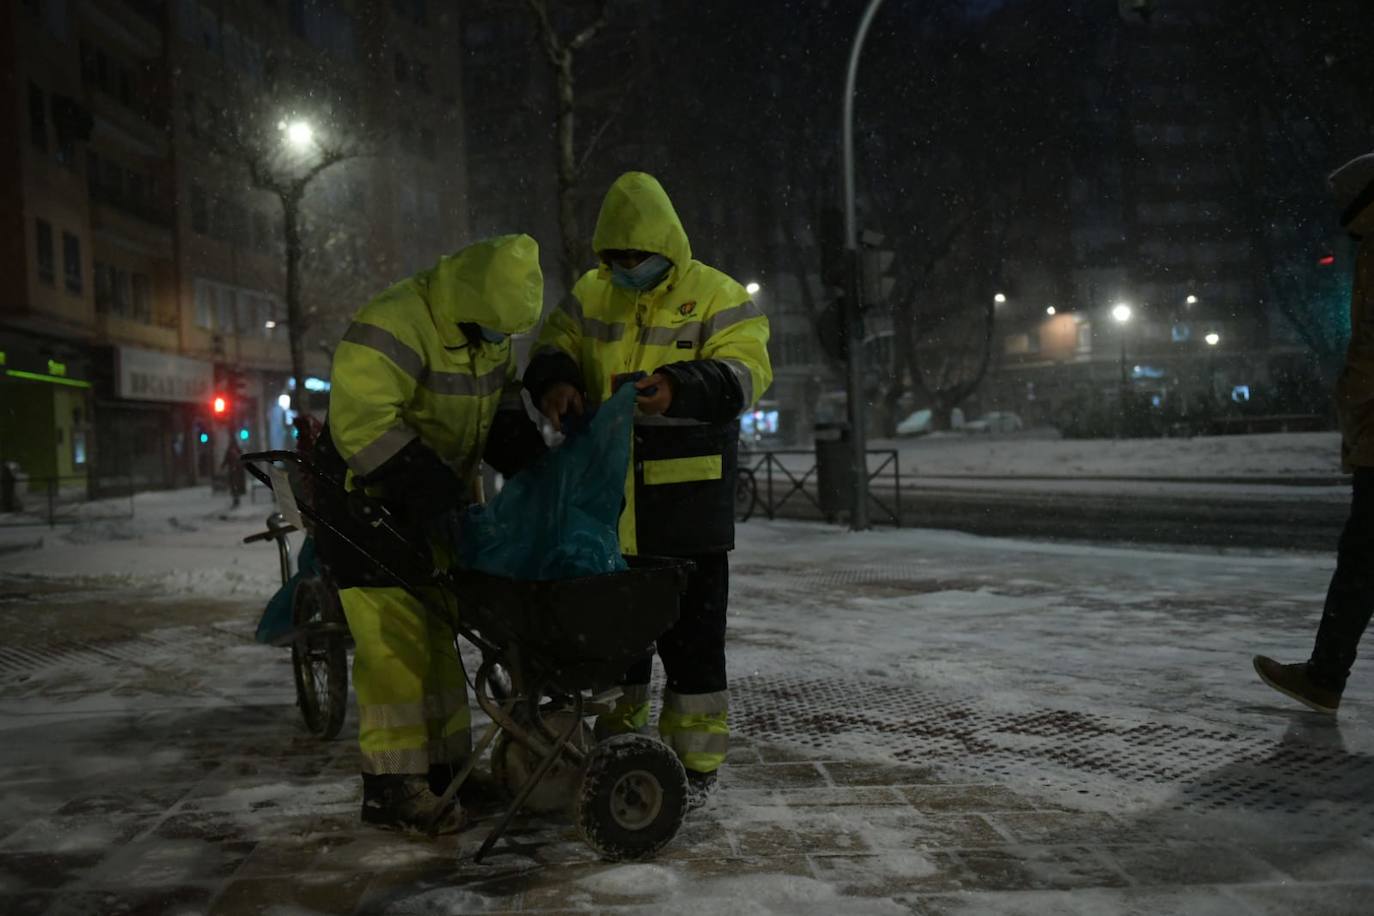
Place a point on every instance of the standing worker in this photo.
(1319, 682)
(424, 388)
(701, 347)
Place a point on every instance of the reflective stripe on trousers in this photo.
(696, 726)
(412, 694)
(630, 713)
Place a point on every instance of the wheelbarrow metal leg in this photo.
(550, 757)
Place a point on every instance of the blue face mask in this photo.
(647, 274)
(490, 336)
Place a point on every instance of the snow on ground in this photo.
(925, 722)
(1041, 453)
(183, 541)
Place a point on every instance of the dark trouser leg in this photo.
(1350, 597)
(696, 701)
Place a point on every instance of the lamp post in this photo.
(1121, 313)
(1212, 339)
(858, 518)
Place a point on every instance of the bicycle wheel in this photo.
(319, 657)
(746, 494)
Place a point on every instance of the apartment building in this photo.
(147, 272)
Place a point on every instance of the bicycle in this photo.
(746, 494)
(318, 635)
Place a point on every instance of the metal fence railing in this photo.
(784, 475)
(59, 500)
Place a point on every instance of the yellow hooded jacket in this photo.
(697, 326)
(405, 371)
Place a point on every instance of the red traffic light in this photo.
(219, 406)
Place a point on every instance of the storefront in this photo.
(152, 426)
(45, 412)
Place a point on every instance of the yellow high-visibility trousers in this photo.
(408, 677)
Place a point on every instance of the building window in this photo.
(205, 305)
(38, 118)
(200, 215)
(47, 261)
(142, 289)
(295, 12)
(103, 287)
(262, 233)
(71, 262)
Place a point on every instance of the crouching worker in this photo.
(424, 388)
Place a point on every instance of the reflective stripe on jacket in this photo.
(404, 369)
(680, 495)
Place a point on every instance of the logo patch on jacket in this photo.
(684, 345)
(687, 307)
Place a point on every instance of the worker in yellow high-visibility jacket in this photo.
(424, 388)
(703, 345)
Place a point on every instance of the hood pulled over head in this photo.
(637, 215)
(495, 283)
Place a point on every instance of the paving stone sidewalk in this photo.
(151, 761)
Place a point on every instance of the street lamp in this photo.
(1121, 312)
(752, 289)
(1050, 310)
(1191, 300)
(1212, 338)
(299, 134)
(1000, 298)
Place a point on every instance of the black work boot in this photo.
(403, 801)
(700, 788)
(1295, 681)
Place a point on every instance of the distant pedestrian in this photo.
(1320, 681)
(238, 477)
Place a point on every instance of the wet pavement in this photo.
(152, 761)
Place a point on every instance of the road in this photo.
(1206, 513)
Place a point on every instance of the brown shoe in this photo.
(1293, 681)
(402, 801)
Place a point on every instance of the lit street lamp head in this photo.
(1050, 310)
(1212, 339)
(299, 134)
(1191, 300)
(752, 289)
(1000, 298)
(1121, 312)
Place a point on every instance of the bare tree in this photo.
(561, 52)
(285, 166)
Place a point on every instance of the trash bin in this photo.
(834, 468)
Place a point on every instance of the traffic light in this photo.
(219, 406)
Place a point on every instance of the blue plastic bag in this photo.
(559, 518)
(276, 626)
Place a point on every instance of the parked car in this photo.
(920, 422)
(995, 422)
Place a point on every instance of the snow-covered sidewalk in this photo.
(924, 722)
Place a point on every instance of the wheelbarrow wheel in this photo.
(512, 763)
(633, 798)
(319, 657)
